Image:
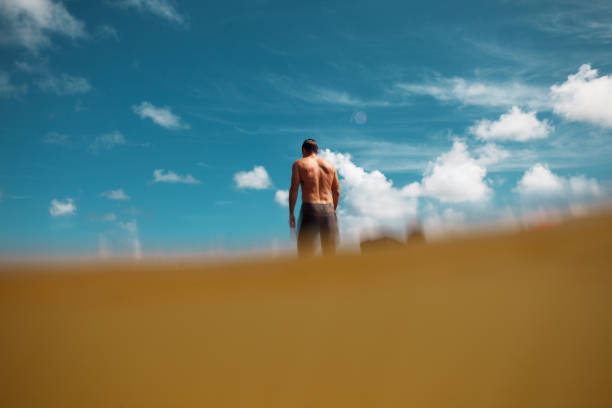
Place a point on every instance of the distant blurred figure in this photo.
(318, 178)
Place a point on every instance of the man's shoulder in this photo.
(325, 163)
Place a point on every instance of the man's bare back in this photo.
(320, 196)
(317, 177)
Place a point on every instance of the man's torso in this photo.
(316, 178)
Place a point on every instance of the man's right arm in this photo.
(336, 190)
(293, 193)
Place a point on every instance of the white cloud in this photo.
(108, 141)
(257, 179)
(582, 186)
(59, 208)
(584, 97)
(131, 228)
(64, 85)
(491, 154)
(478, 93)
(161, 116)
(456, 177)
(115, 195)
(160, 8)
(9, 89)
(515, 125)
(369, 199)
(171, 177)
(30, 23)
(282, 198)
(540, 181)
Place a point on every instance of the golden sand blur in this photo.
(493, 321)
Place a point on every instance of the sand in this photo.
(511, 320)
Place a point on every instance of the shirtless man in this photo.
(317, 177)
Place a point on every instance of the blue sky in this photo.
(156, 126)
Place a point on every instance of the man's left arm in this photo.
(336, 190)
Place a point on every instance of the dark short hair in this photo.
(310, 146)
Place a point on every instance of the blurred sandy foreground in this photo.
(507, 321)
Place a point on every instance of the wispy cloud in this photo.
(8, 89)
(162, 116)
(108, 141)
(64, 84)
(62, 208)
(118, 194)
(576, 21)
(320, 95)
(160, 8)
(107, 31)
(56, 138)
(30, 24)
(476, 92)
(257, 179)
(163, 176)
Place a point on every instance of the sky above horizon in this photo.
(133, 127)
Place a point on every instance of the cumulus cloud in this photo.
(163, 176)
(540, 181)
(456, 177)
(31, 23)
(131, 228)
(585, 96)
(160, 8)
(162, 116)
(491, 154)
(515, 125)
(256, 179)
(582, 186)
(282, 198)
(7, 88)
(477, 92)
(369, 199)
(62, 208)
(108, 141)
(64, 85)
(115, 195)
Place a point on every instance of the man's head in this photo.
(309, 147)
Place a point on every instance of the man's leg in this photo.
(329, 231)
(307, 233)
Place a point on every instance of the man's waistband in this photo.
(318, 208)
